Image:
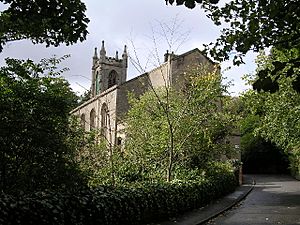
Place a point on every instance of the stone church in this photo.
(109, 89)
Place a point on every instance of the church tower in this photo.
(108, 71)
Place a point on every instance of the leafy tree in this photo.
(169, 129)
(100, 161)
(92, 157)
(254, 25)
(44, 21)
(279, 119)
(259, 155)
(36, 134)
(84, 97)
(35, 139)
(278, 111)
(279, 62)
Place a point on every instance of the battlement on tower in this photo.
(108, 71)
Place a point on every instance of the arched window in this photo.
(104, 119)
(119, 141)
(112, 78)
(82, 121)
(92, 119)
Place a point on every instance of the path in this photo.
(275, 199)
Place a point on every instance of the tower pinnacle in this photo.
(95, 57)
(95, 54)
(102, 51)
(125, 56)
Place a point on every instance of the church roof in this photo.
(193, 51)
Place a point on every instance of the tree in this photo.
(92, 155)
(36, 134)
(279, 120)
(253, 25)
(278, 111)
(191, 3)
(169, 129)
(36, 139)
(51, 22)
(99, 155)
(279, 62)
(84, 97)
(103, 163)
(259, 155)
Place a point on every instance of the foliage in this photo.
(278, 111)
(254, 25)
(281, 123)
(35, 149)
(191, 3)
(186, 127)
(92, 157)
(279, 62)
(84, 97)
(259, 155)
(51, 22)
(248, 140)
(137, 204)
(98, 163)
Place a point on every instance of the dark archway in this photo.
(265, 158)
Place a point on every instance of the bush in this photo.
(138, 204)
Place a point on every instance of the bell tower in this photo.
(108, 71)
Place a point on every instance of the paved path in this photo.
(274, 200)
(203, 214)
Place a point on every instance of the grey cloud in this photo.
(114, 21)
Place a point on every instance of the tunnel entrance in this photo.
(265, 158)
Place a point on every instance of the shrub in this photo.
(136, 204)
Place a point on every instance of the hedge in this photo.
(137, 204)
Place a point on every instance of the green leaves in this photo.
(185, 127)
(283, 62)
(51, 22)
(137, 204)
(277, 101)
(251, 26)
(34, 118)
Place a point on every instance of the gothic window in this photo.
(112, 78)
(92, 119)
(119, 141)
(82, 121)
(104, 119)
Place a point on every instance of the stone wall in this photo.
(184, 63)
(109, 97)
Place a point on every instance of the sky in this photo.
(137, 24)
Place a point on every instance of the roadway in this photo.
(275, 200)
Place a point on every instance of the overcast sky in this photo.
(126, 22)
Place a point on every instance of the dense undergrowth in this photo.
(137, 203)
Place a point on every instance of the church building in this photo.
(109, 89)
